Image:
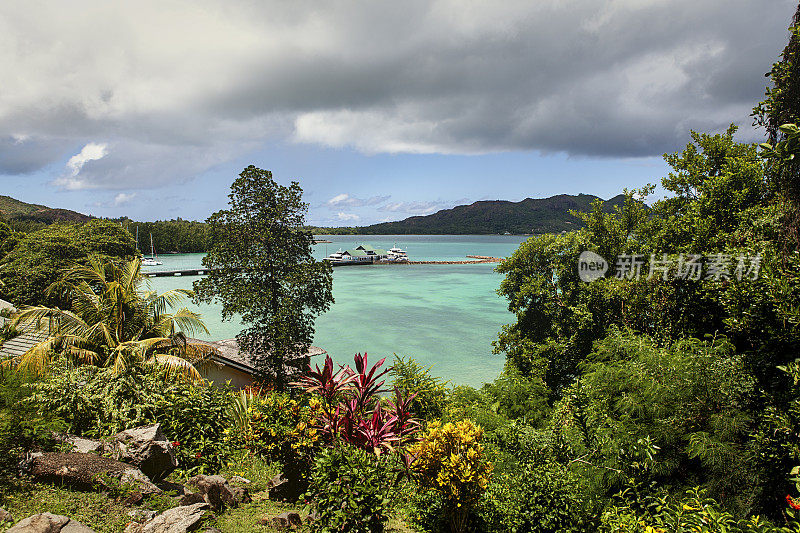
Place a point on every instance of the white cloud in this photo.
(417, 208)
(338, 199)
(342, 200)
(123, 198)
(348, 217)
(90, 152)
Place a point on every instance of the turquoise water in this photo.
(441, 315)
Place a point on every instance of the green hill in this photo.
(12, 209)
(542, 215)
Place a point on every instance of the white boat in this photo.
(338, 257)
(153, 259)
(397, 255)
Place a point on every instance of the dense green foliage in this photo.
(536, 216)
(650, 385)
(170, 236)
(39, 258)
(264, 272)
(100, 403)
(23, 426)
(350, 490)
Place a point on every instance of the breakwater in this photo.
(474, 259)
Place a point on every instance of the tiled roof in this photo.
(17, 346)
(228, 353)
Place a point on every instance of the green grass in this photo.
(101, 513)
(93, 509)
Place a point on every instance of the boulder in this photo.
(5, 516)
(239, 480)
(282, 521)
(49, 523)
(79, 444)
(191, 499)
(147, 448)
(278, 487)
(85, 471)
(217, 493)
(175, 520)
(142, 515)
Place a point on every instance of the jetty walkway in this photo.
(475, 259)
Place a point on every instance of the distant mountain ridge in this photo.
(531, 215)
(13, 209)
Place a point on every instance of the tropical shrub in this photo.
(350, 490)
(535, 499)
(694, 513)
(691, 403)
(449, 459)
(22, 426)
(280, 428)
(430, 392)
(352, 410)
(99, 403)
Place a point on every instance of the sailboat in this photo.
(153, 259)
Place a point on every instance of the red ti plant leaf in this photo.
(376, 433)
(365, 386)
(352, 406)
(324, 382)
(405, 425)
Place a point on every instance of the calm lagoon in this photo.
(441, 315)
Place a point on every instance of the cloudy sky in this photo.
(381, 110)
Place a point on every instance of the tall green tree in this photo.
(38, 259)
(262, 269)
(779, 114)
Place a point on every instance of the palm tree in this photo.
(111, 323)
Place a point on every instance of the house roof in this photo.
(356, 253)
(369, 248)
(17, 346)
(228, 353)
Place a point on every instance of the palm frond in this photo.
(178, 366)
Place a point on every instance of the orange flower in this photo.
(791, 502)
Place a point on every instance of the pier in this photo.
(475, 259)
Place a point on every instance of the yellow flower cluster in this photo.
(450, 460)
(279, 426)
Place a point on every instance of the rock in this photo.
(168, 486)
(79, 444)
(85, 471)
(49, 523)
(312, 516)
(177, 519)
(5, 516)
(147, 448)
(217, 493)
(278, 487)
(191, 499)
(239, 480)
(282, 521)
(142, 515)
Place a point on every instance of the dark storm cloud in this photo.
(173, 88)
